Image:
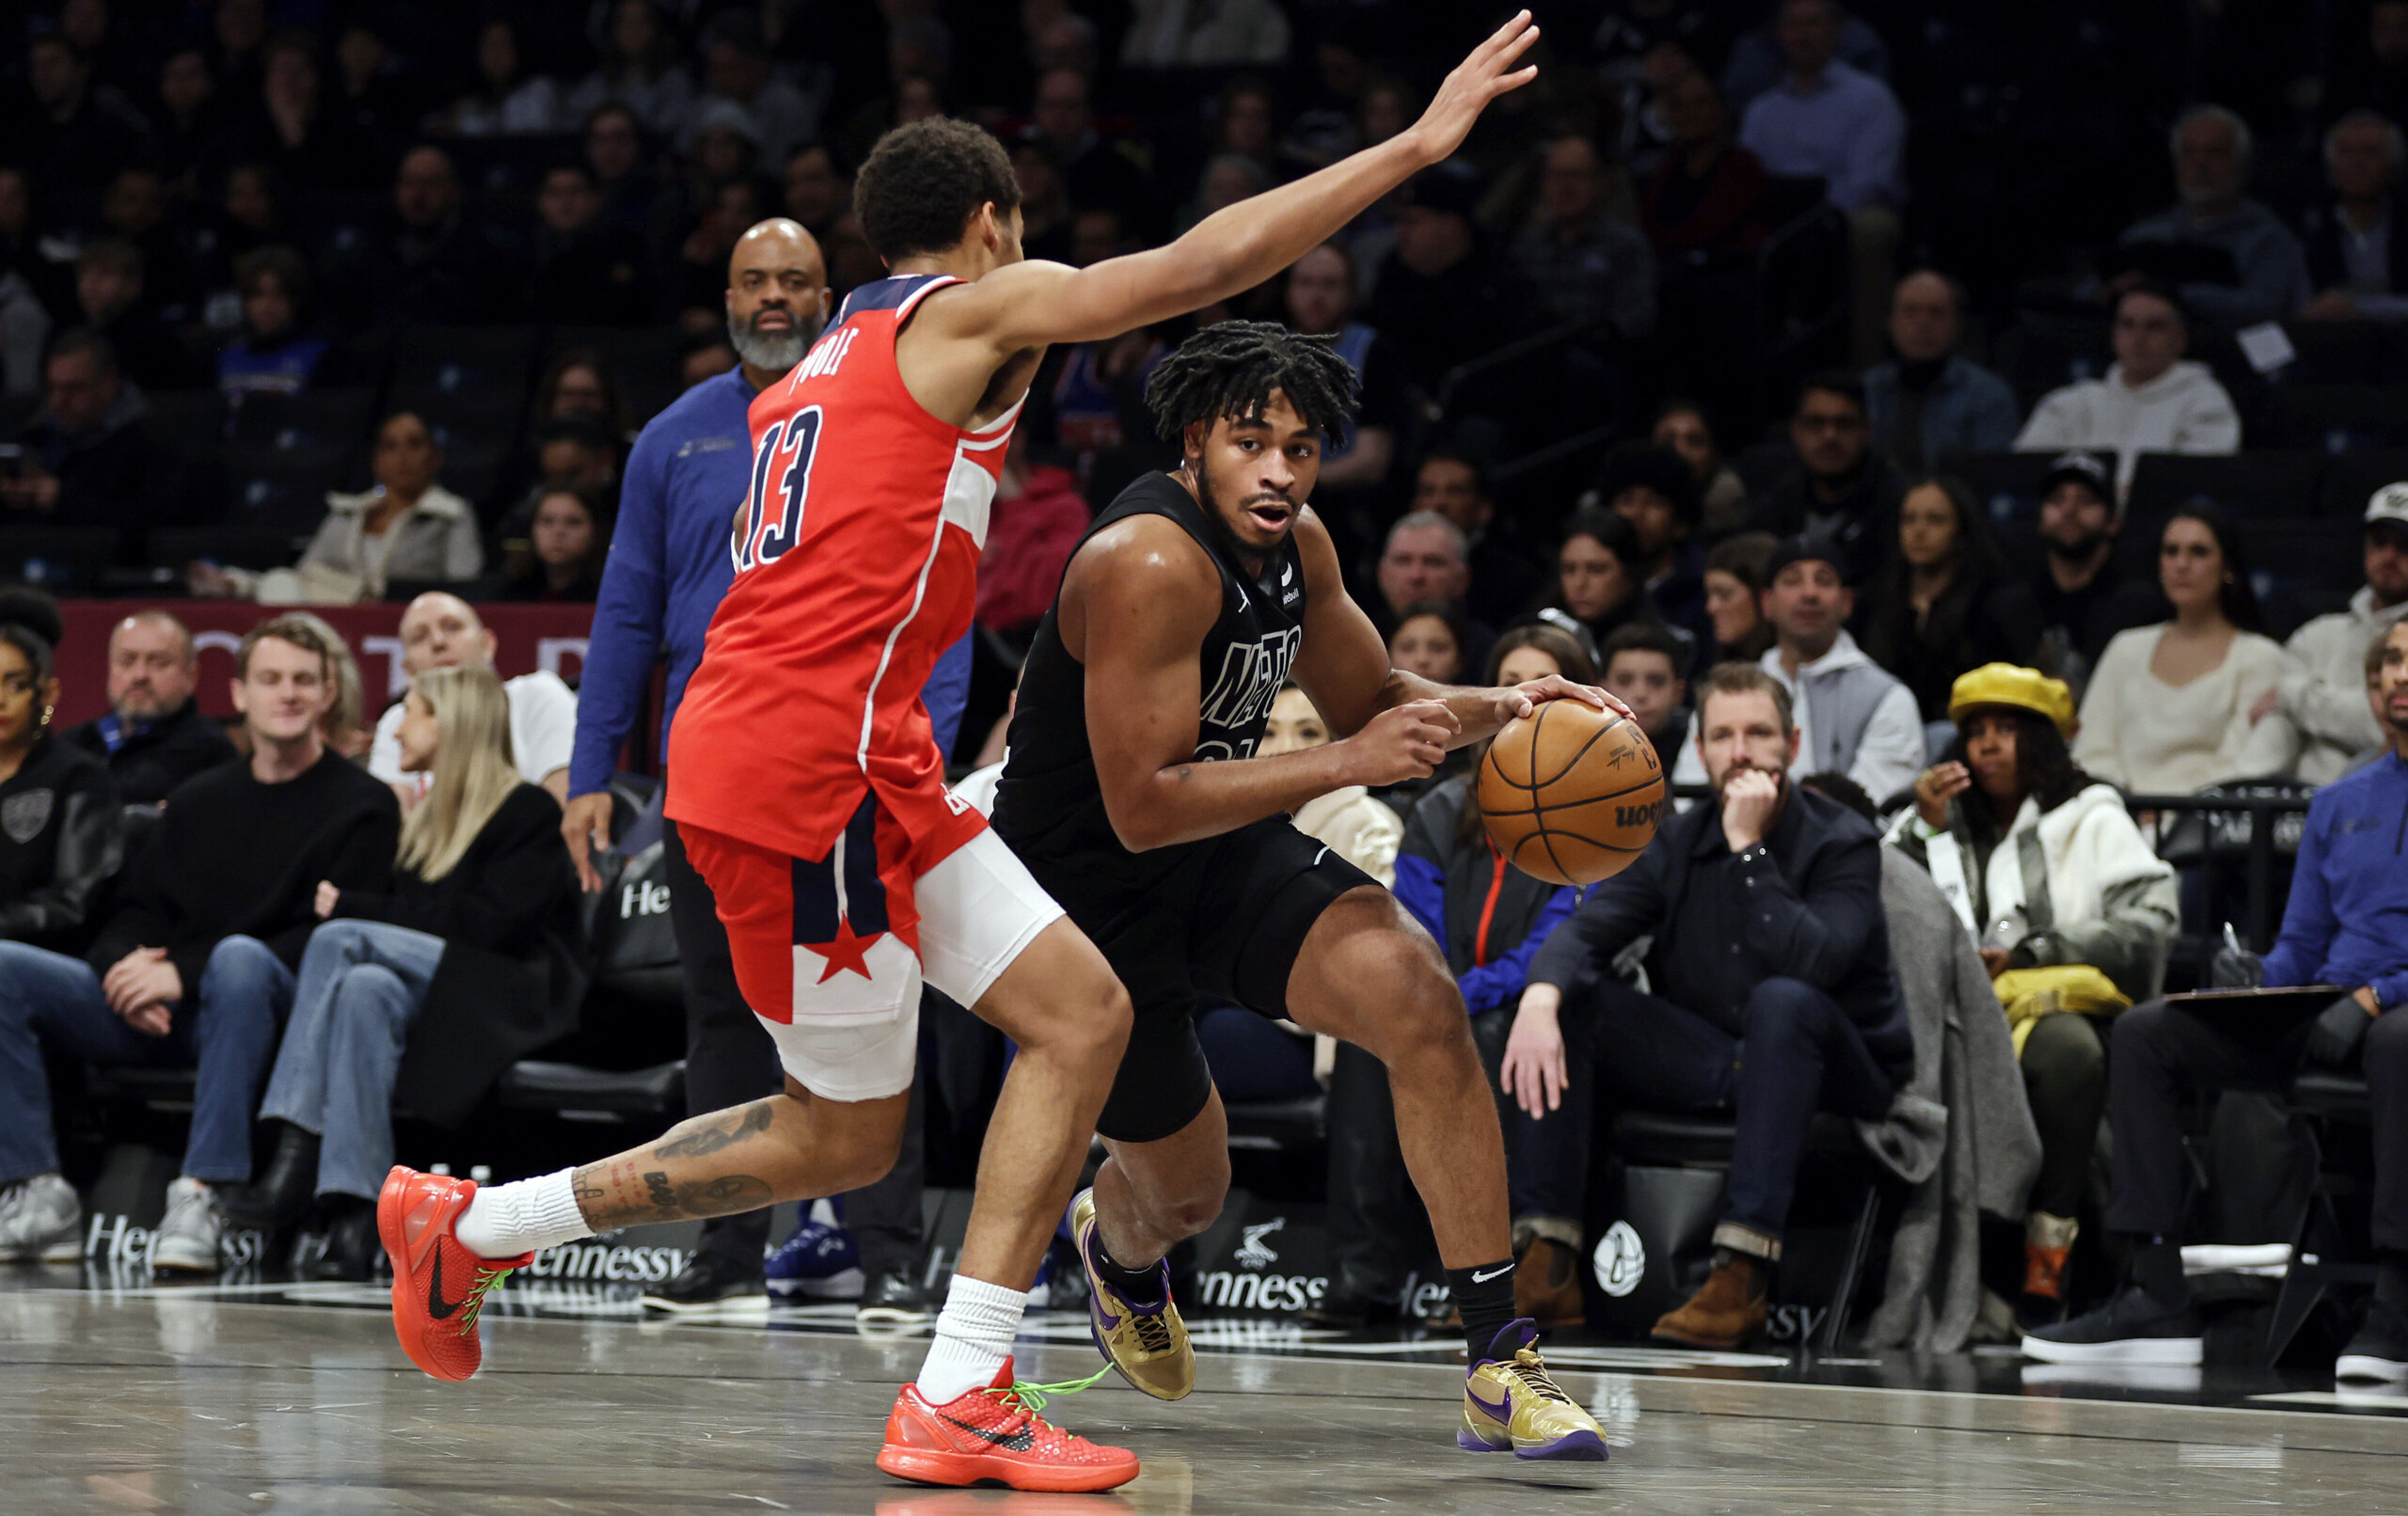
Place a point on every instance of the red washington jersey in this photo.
(858, 569)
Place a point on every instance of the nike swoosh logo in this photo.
(1104, 1319)
(1500, 1409)
(1477, 1277)
(1019, 1441)
(1316, 863)
(435, 1307)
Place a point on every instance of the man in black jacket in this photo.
(1843, 492)
(197, 965)
(1773, 989)
(154, 737)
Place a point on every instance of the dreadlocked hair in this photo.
(1230, 368)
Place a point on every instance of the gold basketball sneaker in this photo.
(1146, 1343)
(1511, 1403)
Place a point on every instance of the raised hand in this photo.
(1480, 78)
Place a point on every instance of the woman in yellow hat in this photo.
(2073, 912)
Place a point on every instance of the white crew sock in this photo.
(504, 1220)
(974, 1333)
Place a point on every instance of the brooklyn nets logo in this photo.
(1621, 1259)
(1251, 674)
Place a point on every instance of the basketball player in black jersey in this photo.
(1133, 794)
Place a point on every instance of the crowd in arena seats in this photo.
(1866, 347)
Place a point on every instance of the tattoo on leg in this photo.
(620, 1192)
(705, 1135)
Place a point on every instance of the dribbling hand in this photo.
(1481, 77)
(1522, 699)
(1403, 742)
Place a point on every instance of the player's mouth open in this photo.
(1271, 515)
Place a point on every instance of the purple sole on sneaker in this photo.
(1471, 1441)
(1580, 1447)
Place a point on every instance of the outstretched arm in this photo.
(1034, 303)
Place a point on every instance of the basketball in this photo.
(1571, 793)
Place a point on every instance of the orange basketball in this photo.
(1571, 793)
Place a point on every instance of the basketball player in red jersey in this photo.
(809, 792)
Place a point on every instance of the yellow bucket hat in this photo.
(2024, 689)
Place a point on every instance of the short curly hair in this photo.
(923, 182)
(1229, 368)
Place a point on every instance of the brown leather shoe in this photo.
(1547, 1285)
(1727, 1310)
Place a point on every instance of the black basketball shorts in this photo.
(1225, 923)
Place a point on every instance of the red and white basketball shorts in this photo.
(830, 953)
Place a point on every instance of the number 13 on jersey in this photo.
(780, 480)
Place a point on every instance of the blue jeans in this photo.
(1800, 1054)
(361, 985)
(225, 1027)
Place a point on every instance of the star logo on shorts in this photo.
(846, 952)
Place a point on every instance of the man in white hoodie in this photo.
(2152, 400)
(1853, 717)
(2316, 722)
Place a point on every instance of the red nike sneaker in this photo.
(995, 1433)
(439, 1286)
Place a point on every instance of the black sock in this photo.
(1485, 1297)
(1139, 1287)
(2156, 1268)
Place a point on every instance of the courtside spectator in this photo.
(1929, 401)
(2153, 400)
(1851, 715)
(429, 266)
(506, 99)
(1654, 489)
(154, 737)
(2343, 927)
(344, 726)
(1723, 498)
(1842, 492)
(194, 969)
(1645, 666)
(1447, 295)
(2318, 713)
(2060, 618)
(583, 268)
(1924, 615)
(1592, 269)
(638, 73)
(1598, 575)
(1453, 483)
(442, 631)
(1321, 303)
(2232, 260)
(108, 298)
(2167, 710)
(2048, 872)
(567, 538)
(407, 527)
(1828, 120)
(1771, 992)
(61, 825)
(1735, 570)
(2357, 242)
(276, 353)
(1703, 207)
(1425, 558)
(88, 459)
(462, 962)
(1429, 640)
(1489, 918)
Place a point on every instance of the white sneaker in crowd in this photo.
(41, 1220)
(188, 1235)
